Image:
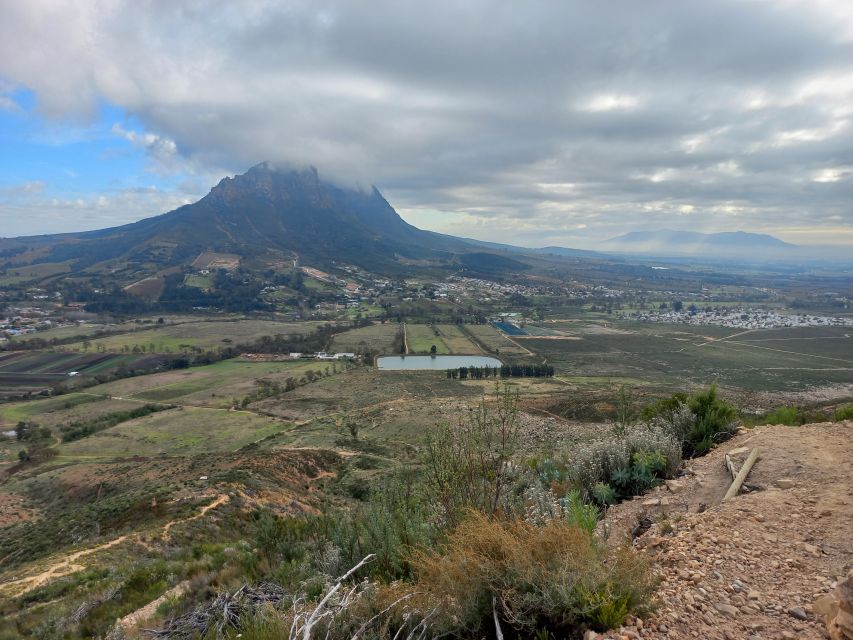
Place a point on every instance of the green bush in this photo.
(603, 493)
(663, 408)
(698, 422)
(469, 466)
(716, 421)
(791, 416)
(395, 519)
(580, 514)
(844, 413)
(629, 461)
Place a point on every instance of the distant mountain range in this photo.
(729, 245)
(681, 241)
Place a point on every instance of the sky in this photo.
(535, 123)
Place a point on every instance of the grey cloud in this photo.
(674, 114)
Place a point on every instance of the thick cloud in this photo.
(541, 122)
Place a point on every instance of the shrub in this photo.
(716, 421)
(394, 520)
(844, 413)
(580, 514)
(698, 423)
(603, 493)
(790, 416)
(555, 577)
(613, 459)
(663, 408)
(470, 466)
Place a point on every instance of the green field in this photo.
(456, 340)
(494, 341)
(18, 275)
(199, 281)
(10, 414)
(681, 355)
(422, 337)
(381, 338)
(63, 333)
(193, 335)
(179, 431)
(213, 385)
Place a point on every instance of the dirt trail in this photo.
(750, 567)
(142, 614)
(220, 500)
(61, 568)
(68, 564)
(405, 340)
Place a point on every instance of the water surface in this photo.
(406, 363)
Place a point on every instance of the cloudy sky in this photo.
(529, 122)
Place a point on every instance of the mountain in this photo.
(263, 214)
(732, 244)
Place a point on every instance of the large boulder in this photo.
(836, 608)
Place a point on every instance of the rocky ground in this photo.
(757, 566)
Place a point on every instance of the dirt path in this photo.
(69, 564)
(712, 340)
(220, 500)
(61, 568)
(795, 353)
(142, 614)
(405, 340)
(750, 567)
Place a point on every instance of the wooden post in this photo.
(741, 476)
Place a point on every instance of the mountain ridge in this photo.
(729, 237)
(266, 210)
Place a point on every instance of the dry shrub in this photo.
(555, 576)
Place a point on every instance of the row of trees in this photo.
(504, 371)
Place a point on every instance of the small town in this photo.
(740, 318)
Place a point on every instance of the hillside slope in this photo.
(753, 566)
(266, 211)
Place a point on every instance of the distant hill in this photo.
(262, 214)
(667, 242)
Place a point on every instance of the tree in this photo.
(626, 414)
(469, 466)
(678, 305)
(353, 427)
(433, 349)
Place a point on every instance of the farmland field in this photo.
(767, 360)
(382, 338)
(198, 281)
(175, 432)
(17, 275)
(200, 335)
(422, 337)
(10, 414)
(509, 329)
(62, 333)
(213, 385)
(456, 340)
(494, 341)
(22, 371)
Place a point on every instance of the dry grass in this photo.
(554, 576)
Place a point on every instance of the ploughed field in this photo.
(34, 371)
